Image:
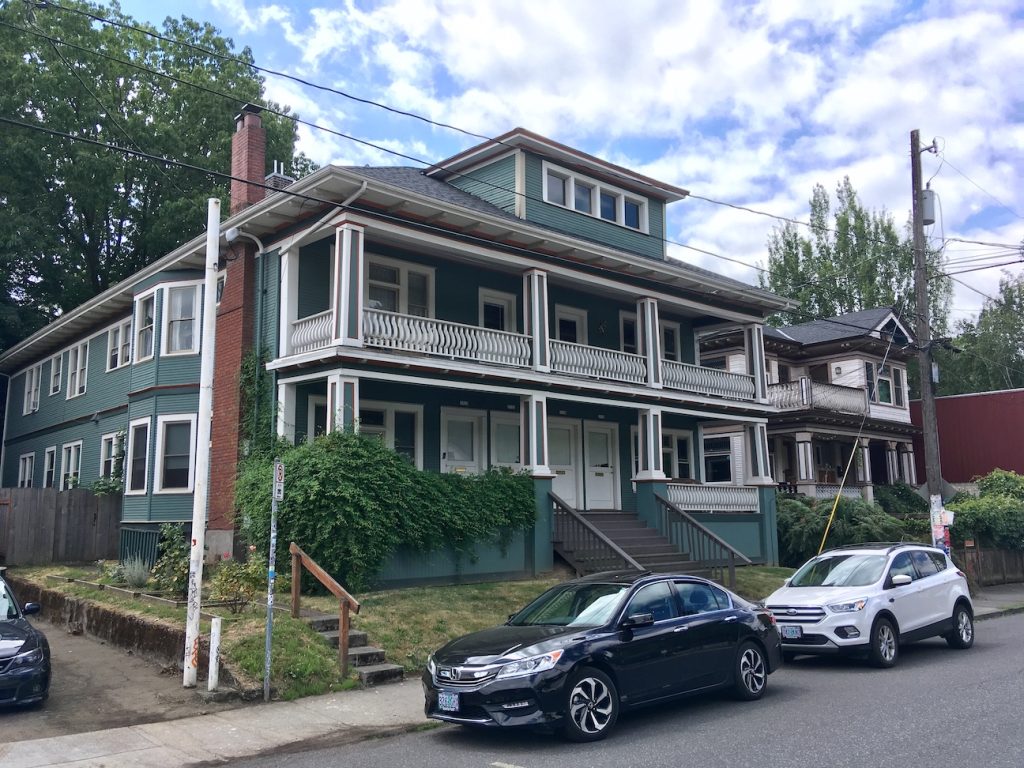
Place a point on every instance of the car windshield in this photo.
(840, 571)
(8, 608)
(573, 605)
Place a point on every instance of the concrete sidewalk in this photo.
(335, 718)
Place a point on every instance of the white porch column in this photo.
(286, 411)
(805, 478)
(533, 414)
(342, 403)
(864, 461)
(648, 330)
(757, 442)
(535, 317)
(289, 308)
(649, 445)
(909, 475)
(753, 342)
(347, 291)
(892, 461)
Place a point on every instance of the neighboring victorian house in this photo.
(511, 307)
(840, 386)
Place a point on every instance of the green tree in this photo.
(988, 353)
(851, 258)
(75, 218)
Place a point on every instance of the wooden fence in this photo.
(39, 526)
(992, 566)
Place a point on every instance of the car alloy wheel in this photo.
(884, 644)
(751, 673)
(962, 635)
(593, 706)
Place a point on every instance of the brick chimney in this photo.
(235, 330)
(248, 158)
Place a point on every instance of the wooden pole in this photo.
(296, 578)
(343, 637)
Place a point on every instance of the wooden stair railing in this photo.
(703, 546)
(577, 534)
(346, 602)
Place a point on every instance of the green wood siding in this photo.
(494, 182)
(315, 277)
(589, 227)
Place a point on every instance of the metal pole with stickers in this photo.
(278, 496)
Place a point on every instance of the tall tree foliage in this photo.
(76, 218)
(988, 353)
(851, 259)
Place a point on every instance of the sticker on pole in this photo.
(278, 481)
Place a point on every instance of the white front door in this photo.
(599, 456)
(461, 441)
(563, 446)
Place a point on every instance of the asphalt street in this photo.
(938, 706)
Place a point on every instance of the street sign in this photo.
(278, 481)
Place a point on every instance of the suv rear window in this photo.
(939, 560)
(924, 563)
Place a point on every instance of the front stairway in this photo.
(644, 544)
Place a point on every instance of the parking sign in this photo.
(278, 481)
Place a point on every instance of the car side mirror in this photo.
(901, 580)
(638, 620)
(31, 608)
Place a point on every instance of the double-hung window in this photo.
(676, 458)
(111, 455)
(395, 286)
(56, 371)
(180, 326)
(78, 369)
(592, 197)
(886, 384)
(49, 466)
(119, 345)
(70, 465)
(137, 468)
(497, 311)
(718, 459)
(396, 426)
(175, 453)
(33, 380)
(145, 317)
(26, 468)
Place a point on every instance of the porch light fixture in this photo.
(838, 370)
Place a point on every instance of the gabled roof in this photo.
(852, 325)
(520, 138)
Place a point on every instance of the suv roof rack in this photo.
(889, 546)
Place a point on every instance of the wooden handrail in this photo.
(710, 537)
(593, 529)
(346, 602)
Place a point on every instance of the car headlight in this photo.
(850, 606)
(28, 658)
(530, 666)
(431, 666)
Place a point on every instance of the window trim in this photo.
(80, 374)
(671, 325)
(503, 418)
(572, 313)
(727, 436)
(66, 450)
(598, 187)
(112, 438)
(312, 401)
(25, 478)
(161, 424)
(634, 456)
(165, 317)
(509, 300)
(138, 327)
(403, 267)
(130, 453)
(628, 317)
(56, 371)
(50, 458)
(33, 389)
(123, 330)
(390, 409)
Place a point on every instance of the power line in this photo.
(999, 202)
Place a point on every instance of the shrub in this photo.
(350, 502)
(900, 499)
(801, 525)
(996, 516)
(135, 571)
(999, 482)
(239, 582)
(172, 563)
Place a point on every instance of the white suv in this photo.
(870, 598)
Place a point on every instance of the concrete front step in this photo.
(375, 674)
(356, 638)
(366, 656)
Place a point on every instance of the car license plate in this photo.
(792, 633)
(448, 701)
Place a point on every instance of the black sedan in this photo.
(587, 648)
(24, 653)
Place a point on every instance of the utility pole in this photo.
(932, 468)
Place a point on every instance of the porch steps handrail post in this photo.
(592, 530)
(705, 546)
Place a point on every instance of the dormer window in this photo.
(594, 198)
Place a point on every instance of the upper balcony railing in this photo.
(440, 338)
(805, 394)
(708, 381)
(443, 339)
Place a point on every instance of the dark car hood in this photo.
(13, 635)
(488, 645)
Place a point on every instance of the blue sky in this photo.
(751, 103)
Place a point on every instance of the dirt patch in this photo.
(96, 686)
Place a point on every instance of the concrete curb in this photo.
(999, 614)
